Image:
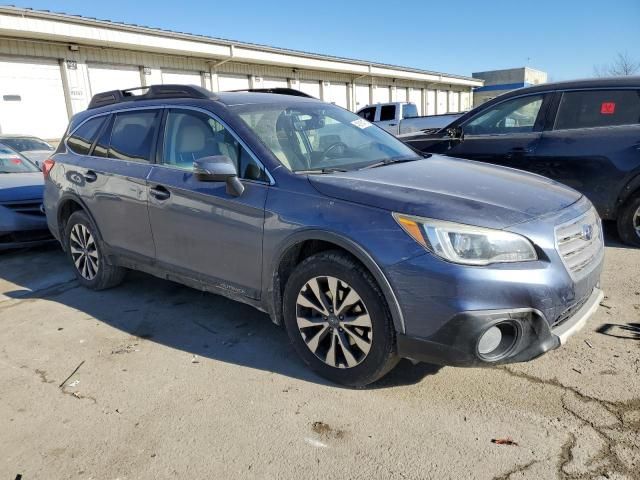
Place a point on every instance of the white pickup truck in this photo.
(400, 118)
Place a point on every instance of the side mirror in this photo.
(455, 133)
(219, 168)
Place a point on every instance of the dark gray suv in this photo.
(365, 250)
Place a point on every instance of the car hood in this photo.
(21, 186)
(450, 189)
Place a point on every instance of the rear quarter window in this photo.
(598, 108)
(81, 140)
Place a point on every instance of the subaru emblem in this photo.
(587, 232)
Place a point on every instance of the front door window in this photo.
(513, 116)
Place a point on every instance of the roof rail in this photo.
(149, 93)
(277, 90)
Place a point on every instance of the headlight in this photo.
(467, 244)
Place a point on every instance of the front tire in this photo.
(629, 221)
(85, 252)
(338, 321)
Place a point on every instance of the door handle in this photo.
(159, 193)
(90, 176)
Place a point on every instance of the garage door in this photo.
(336, 93)
(454, 102)
(441, 102)
(232, 82)
(381, 94)
(362, 96)
(415, 96)
(431, 102)
(181, 78)
(465, 101)
(401, 94)
(310, 87)
(32, 98)
(270, 82)
(103, 78)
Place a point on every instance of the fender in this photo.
(68, 195)
(350, 246)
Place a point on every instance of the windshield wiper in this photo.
(389, 161)
(323, 170)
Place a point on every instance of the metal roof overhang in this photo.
(57, 27)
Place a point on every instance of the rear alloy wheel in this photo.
(334, 322)
(629, 222)
(85, 251)
(338, 321)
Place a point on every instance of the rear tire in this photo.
(629, 221)
(86, 254)
(338, 320)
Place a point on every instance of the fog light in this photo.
(489, 341)
(498, 341)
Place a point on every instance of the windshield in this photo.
(317, 136)
(12, 162)
(24, 144)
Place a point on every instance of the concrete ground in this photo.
(154, 380)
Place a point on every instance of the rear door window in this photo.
(368, 114)
(133, 134)
(84, 136)
(598, 108)
(387, 112)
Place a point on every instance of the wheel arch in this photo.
(629, 190)
(309, 242)
(68, 204)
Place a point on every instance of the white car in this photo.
(33, 148)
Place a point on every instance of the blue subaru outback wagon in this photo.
(366, 251)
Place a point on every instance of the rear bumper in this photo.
(456, 343)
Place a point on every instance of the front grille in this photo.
(580, 243)
(28, 207)
(568, 313)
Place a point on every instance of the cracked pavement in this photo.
(174, 383)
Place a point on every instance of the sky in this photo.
(565, 38)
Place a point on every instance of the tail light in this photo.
(47, 165)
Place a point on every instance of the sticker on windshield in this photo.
(361, 123)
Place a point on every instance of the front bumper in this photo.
(456, 343)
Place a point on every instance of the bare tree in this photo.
(622, 66)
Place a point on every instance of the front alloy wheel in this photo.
(334, 322)
(337, 319)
